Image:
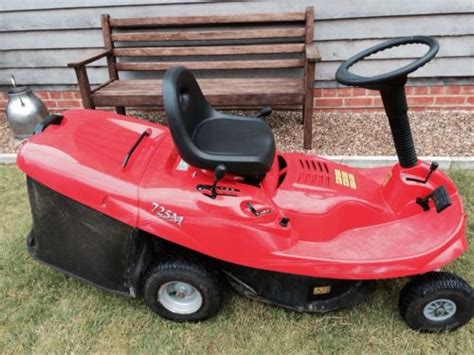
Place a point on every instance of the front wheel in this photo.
(436, 302)
(182, 291)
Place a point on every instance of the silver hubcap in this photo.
(180, 297)
(439, 310)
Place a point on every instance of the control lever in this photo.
(257, 213)
(264, 112)
(434, 165)
(219, 173)
(439, 197)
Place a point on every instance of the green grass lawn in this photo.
(44, 311)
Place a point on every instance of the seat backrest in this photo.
(185, 108)
(263, 43)
(184, 103)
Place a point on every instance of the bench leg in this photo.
(120, 110)
(308, 106)
(84, 87)
(308, 124)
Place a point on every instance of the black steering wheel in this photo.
(393, 78)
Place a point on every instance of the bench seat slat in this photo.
(212, 65)
(144, 22)
(209, 50)
(280, 32)
(295, 101)
(227, 92)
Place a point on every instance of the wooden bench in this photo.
(241, 61)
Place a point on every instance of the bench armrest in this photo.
(95, 57)
(312, 53)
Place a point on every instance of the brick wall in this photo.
(54, 100)
(454, 97)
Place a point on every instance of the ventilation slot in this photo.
(281, 178)
(282, 165)
(313, 172)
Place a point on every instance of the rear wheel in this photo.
(182, 291)
(436, 302)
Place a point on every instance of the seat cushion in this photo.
(245, 143)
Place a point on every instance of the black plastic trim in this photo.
(48, 120)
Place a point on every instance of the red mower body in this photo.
(344, 223)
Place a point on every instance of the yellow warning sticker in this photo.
(345, 179)
(337, 173)
(321, 290)
(352, 182)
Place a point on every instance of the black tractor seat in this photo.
(206, 138)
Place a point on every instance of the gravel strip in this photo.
(436, 133)
(7, 143)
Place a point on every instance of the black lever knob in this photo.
(434, 165)
(219, 173)
(264, 112)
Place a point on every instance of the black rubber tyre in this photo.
(436, 302)
(200, 279)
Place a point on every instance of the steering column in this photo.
(392, 90)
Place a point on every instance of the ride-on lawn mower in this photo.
(137, 208)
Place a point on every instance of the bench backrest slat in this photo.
(249, 41)
(209, 65)
(209, 50)
(285, 32)
(144, 22)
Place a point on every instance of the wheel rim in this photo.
(180, 297)
(439, 310)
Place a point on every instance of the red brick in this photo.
(77, 95)
(437, 90)
(452, 108)
(420, 90)
(359, 92)
(344, 92)
(362, 109)
(377, 102)
(453, 90)
(3, 105)
(467, 89)
(50, 103)
(329, 102)
(329, 92)
(420, 101)
(409, 90)
(318, 92)
(43, 95)
(373, 93)
(327, 109)
(470, 100)
(419, 108)
(69, 103)
(447, 100)
(55, 94)
(67, 95)
(366, 101)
